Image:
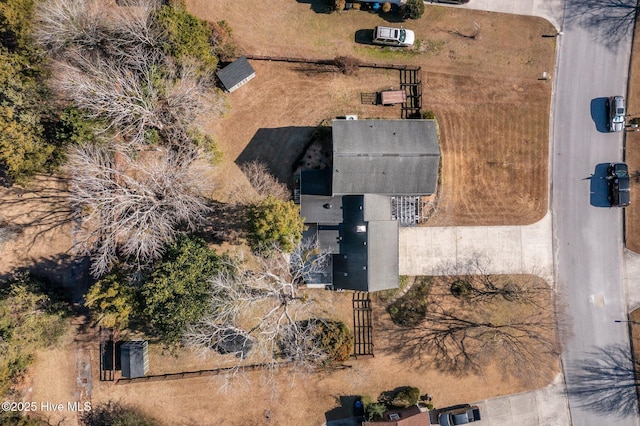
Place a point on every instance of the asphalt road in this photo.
(588, 246)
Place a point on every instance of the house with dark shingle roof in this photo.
(348, 208)
(236, 74)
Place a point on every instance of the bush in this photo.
(221, 39)
(8, 418)
(116, 414)
(413, 9)
(336, 340)
(386, 7)
(339, 4)
(112, 301)
(406, 397)
(348, 65)
(411, 309)
(461, 288)
(332, 338)
(186, 37)
(208, 144)
(274, 222)
(178, 291)
(429, 115)
(374, 411)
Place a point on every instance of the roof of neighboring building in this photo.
(235, 72)
(394, 157)
(408, 417)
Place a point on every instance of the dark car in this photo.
(618, 181)
(458, 415)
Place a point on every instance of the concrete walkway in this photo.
(501, 249)
(632, 278)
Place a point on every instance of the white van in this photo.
(393, 36)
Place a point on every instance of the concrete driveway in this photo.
(501, 249)
(546, 406)
(551, 10)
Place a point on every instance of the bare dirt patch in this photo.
(491, 106)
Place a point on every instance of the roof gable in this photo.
(393, 157)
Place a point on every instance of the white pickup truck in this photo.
(393, 36)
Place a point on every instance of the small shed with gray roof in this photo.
(134, 358)
(236, 74)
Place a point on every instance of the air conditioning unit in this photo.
(351, 117)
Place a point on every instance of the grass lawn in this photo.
(494, 161)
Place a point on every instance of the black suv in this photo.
(618, 180)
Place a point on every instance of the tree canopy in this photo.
(178, 291)
(112, 301)
(414, 9)
(29, 320)
(186, 36)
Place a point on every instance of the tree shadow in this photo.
(65, 277)
(462, 338)
(609, 21)
(224, 223)
(319, 6)
(48, 207)
(605, 381)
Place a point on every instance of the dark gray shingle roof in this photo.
(235, 72)
(394, 157)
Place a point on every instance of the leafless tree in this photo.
(264, 182)
(462, 341)
(472, 281)
(135, 99)
(132, 208)
(263, 305)
(111, 64)
(516, 322)
(60, 24)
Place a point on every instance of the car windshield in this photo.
(403, 34)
